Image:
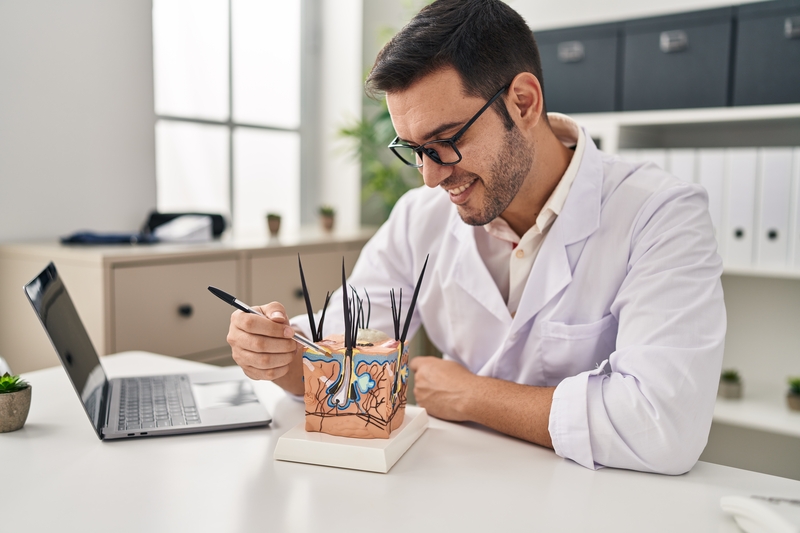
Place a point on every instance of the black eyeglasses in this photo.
(441, 151)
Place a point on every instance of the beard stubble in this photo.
(508, 173)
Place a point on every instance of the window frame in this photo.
(310, 39)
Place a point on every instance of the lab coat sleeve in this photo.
(650, 407)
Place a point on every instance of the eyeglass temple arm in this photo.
(499, 93)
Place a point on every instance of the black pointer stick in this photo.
(322, 316)
(309, 309)
(414, 301)
(240, 305)
(346, 309)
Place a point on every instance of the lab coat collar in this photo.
(470, 271)
(580, 217)
(552, 271)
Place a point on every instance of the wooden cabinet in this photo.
(166, 309)
(276, 278)
(154, 298)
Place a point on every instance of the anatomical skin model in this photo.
(356, 386)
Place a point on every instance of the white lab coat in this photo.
(623, 310)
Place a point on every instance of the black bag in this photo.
(155, 219)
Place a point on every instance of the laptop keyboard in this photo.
(155, 402)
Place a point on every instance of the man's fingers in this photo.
(416, 362)
(240, 339)
(258, 325)
(275, 312)
(265, 375)
(261, 361)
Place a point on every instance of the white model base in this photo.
(373, 455)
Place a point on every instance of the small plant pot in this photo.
(14, 407)
(274, 225)
(327, 222)
(793, 400)
(730, 390)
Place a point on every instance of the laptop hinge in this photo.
(105, 402)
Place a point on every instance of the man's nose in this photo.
(433, 173)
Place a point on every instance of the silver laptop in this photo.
(138, 406)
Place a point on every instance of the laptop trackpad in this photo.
(223, 394)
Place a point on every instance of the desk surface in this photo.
(455, 478)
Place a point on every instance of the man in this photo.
(576, 297)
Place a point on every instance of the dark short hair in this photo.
(485, 41)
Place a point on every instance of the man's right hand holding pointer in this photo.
(264, 347)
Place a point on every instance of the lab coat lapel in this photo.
(579, 218)
(471, 274)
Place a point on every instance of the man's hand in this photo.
(442, 387)
(449, 391)
(264, 347)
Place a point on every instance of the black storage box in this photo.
(767, 67)
(677, 61)
(579, 66)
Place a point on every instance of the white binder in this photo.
(711, 174)
(680, 163)
(794, 232)
(775, 176)
(739, 213)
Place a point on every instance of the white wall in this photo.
(77, 147)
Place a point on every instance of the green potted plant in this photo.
(730, 384)
(273, 223)
(327, 215)
(15, 402)
(793, 396)
(384, 178)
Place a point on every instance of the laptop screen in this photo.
(60, 319)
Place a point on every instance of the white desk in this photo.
(58, 476)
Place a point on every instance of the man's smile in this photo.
(458, 195)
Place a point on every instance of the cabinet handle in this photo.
(772, 234)
(185, 310)
(673, 41)
(298, 293)
(738, 233)
(791, 28)
(571, 52)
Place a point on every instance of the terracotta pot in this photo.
(327, 222)
(274, 225)
(730, 390)
(14, 407)
(794, 401)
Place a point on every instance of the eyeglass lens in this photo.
(442, 152)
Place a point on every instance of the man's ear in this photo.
(525, 100)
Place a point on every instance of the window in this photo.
(227, 98)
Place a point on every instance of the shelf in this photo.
(775, 125)
(761, 273)
(761, 409)
(693, 116)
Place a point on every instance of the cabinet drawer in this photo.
(277, 278)
(579, 66)
(167, 309)
(677, 61)
(768, 54)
